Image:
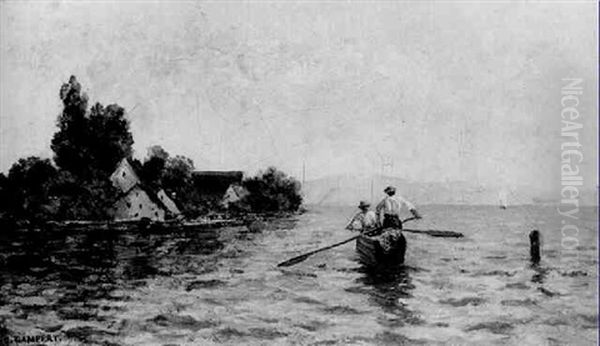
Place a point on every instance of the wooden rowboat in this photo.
(371, 254)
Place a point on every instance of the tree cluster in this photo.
(173, 174)
(271, 191)
(88, 146)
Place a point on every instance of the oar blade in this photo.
(444, 234)
(436, 233)
(294, 260)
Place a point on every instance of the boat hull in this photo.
(371, 254)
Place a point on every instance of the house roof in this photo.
(152, 193)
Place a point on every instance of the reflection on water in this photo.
(64, 274)
(389, 290)
(540, 273)
(187, 287)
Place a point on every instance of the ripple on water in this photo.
(496, 327)
(298, 274)
(590, 321)
(389, 338)
(266, 333)
(495, 273)
(84, 313)
(89, 335)
(518, 302)
(308, 300)
(517, 285)
(574, 273)
(229, 333)
(313, 326)
(402, 317)
(342, 310)
(199, 284)
(475, 301)
(181, 322)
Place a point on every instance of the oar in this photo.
(303, 257)
(435, 233)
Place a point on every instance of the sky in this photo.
(424, 91)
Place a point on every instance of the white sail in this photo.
(503, 199)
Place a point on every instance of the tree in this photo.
(177, 181)
(153, 168)
(272, 191)
(109, 139)
(178, 172)
(28, 188)
(70, 143)
(89, 145)
(87, 148)
(93, 200)
(174, 175)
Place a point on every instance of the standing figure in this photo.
(364, 220)
(389, 209)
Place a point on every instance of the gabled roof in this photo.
(160, 199)
(124, 177)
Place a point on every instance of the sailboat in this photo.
(503, 199)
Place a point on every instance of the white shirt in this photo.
(392, 205)
(362, 221)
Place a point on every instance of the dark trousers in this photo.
(392, 221)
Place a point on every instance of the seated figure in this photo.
(364, 220)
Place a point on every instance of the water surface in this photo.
(133, 288)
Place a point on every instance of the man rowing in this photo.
(388, 214)
(389, 209)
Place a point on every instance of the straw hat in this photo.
(364, 204)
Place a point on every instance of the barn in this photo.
(138, 201)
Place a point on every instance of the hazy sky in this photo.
(428, 91)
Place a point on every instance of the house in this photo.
(138, 201)
(234, 193)
(222, 186)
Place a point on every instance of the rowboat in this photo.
(372, 255)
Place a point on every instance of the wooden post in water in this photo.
(534, 246)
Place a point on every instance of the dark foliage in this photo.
(272, 191)
(89, 146)
(177, 182)
(211, 186)
(70, 143)
(110, 140)
(174, 175)
(92, 200)
(5, 201)
(153, 168)
(26, 192)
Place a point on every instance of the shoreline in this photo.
(211, 221)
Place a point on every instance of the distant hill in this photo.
(349, 189)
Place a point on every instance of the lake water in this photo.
(128, 288)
